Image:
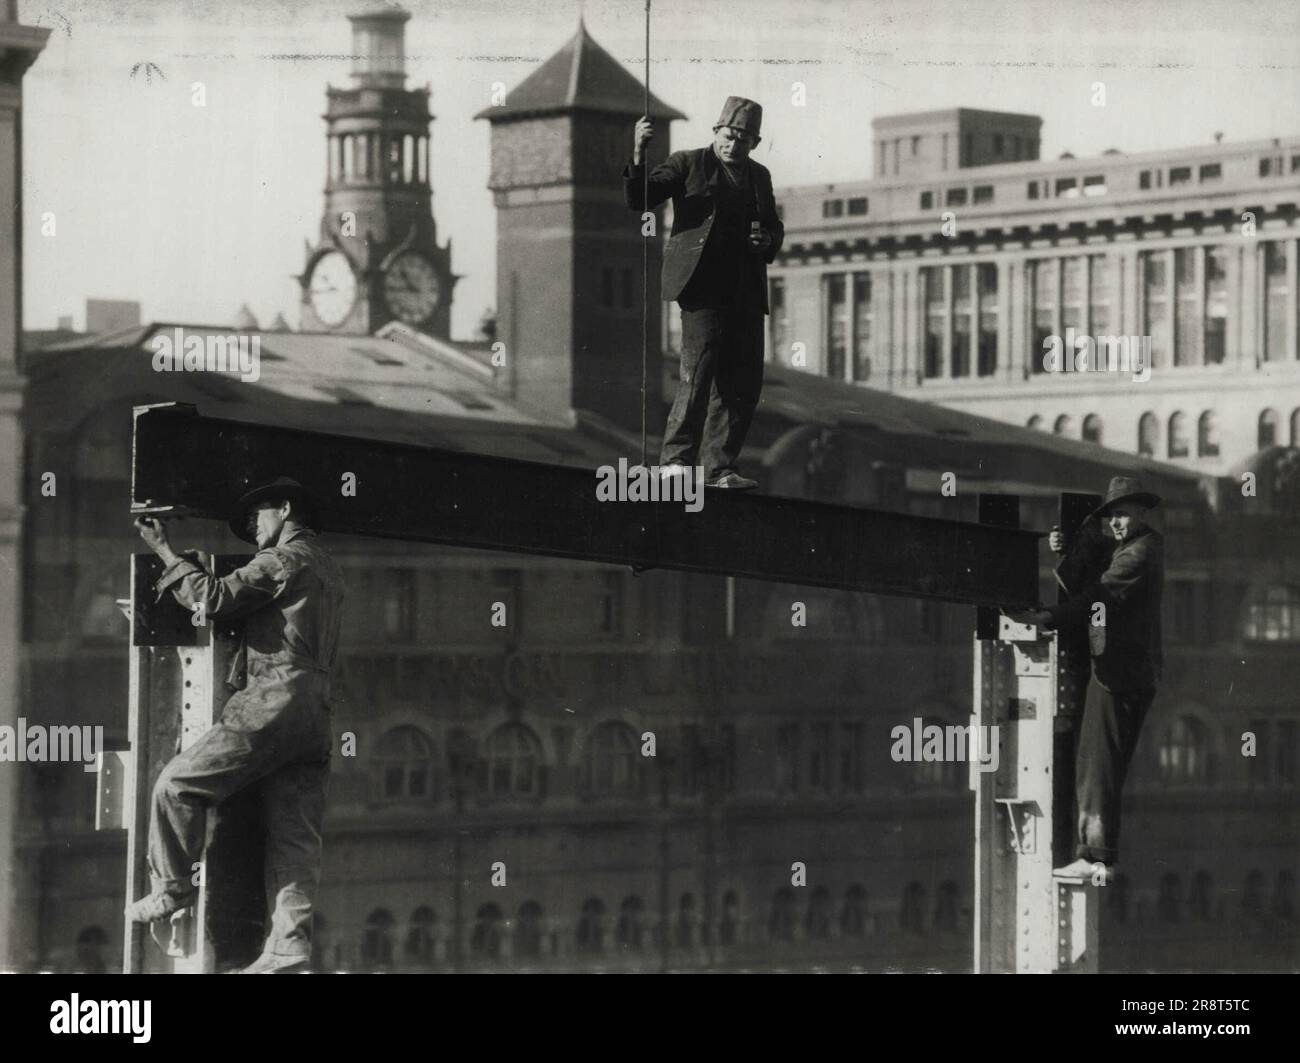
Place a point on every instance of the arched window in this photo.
(513, 763)
(408, 159)
(1267, 429)
(729, 924)
(1207, 435)
(1064, 425)
(780, 923)
(419, 936)
(853, 916)
(1185, 753)
(403, 766)
(687, 921)
(817, 920)
(629, 934)
(912, 915)
(528, 930)
(377, 943)
(1035, 421)
(591, 926)
(612, 767)
(1295, 427)
(1148, 435)
(1178, 447)
(1272, 614)
(1169, 902)
(1092, 428)
(91, 945)
(945, 908)
(486, 939)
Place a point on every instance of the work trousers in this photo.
(1108, 736)
(721, 379)
(285, 753)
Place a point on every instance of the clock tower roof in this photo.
(581, 76)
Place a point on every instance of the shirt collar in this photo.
(298, 532)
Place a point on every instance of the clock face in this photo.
(411, 288)
(332, 289)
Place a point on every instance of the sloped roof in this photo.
(580, 76)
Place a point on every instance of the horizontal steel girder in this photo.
(195, 465)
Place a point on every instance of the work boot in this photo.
(270, 963)
(158, 905)
(1086, 870)
(732, 481)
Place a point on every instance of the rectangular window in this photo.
(936, 313)
(1277, 298)
(1099, 295)
(1094, 185)
(927, 200)
(1072, 305)
(779, 320)
(1067, 187)
(983, 193)
(1216, 304)
(1144, 180)
(787, 758)
(1187, 332)
(851, 776)
(836, 335)
(863, 323)
(1031, 190)
(1045, 284)
(986, 279)
(1211, 171)
(819, 757)
(956, 197)
(858, 205)
(1270, 166)
(1295, 163)
(1179, 175)
(916, 147)
(1155, 305)
(959, 352)
(832, 208)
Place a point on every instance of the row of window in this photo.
(959, 196)
(364, 158)
(835, 208)
(1200, 902)
(1178, 442)
(812, 758)
(1000, 147)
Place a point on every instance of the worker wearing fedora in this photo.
(1121, 612)
(275, 730)
(726, 233)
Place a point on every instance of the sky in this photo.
(133, 192)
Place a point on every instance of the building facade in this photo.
(949, 273)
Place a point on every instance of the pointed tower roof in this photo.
(244, 319)
(280, 324)
(581, 76)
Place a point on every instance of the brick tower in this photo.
(568, 251)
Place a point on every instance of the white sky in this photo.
(193, 211)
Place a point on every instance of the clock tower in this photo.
(378, 258)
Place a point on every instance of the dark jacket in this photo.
(692, 179)
(1127, 649)
(291, 598)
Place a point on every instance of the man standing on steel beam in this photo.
(726, 233)
(276, 730)
(1121, 611)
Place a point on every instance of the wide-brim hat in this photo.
(1125, 489)
(278, 490)
(742, 114)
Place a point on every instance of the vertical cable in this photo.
(645, 247)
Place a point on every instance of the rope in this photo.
(645, 249)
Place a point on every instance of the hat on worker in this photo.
(1125, 489)
(742, 114)
(277, 490)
